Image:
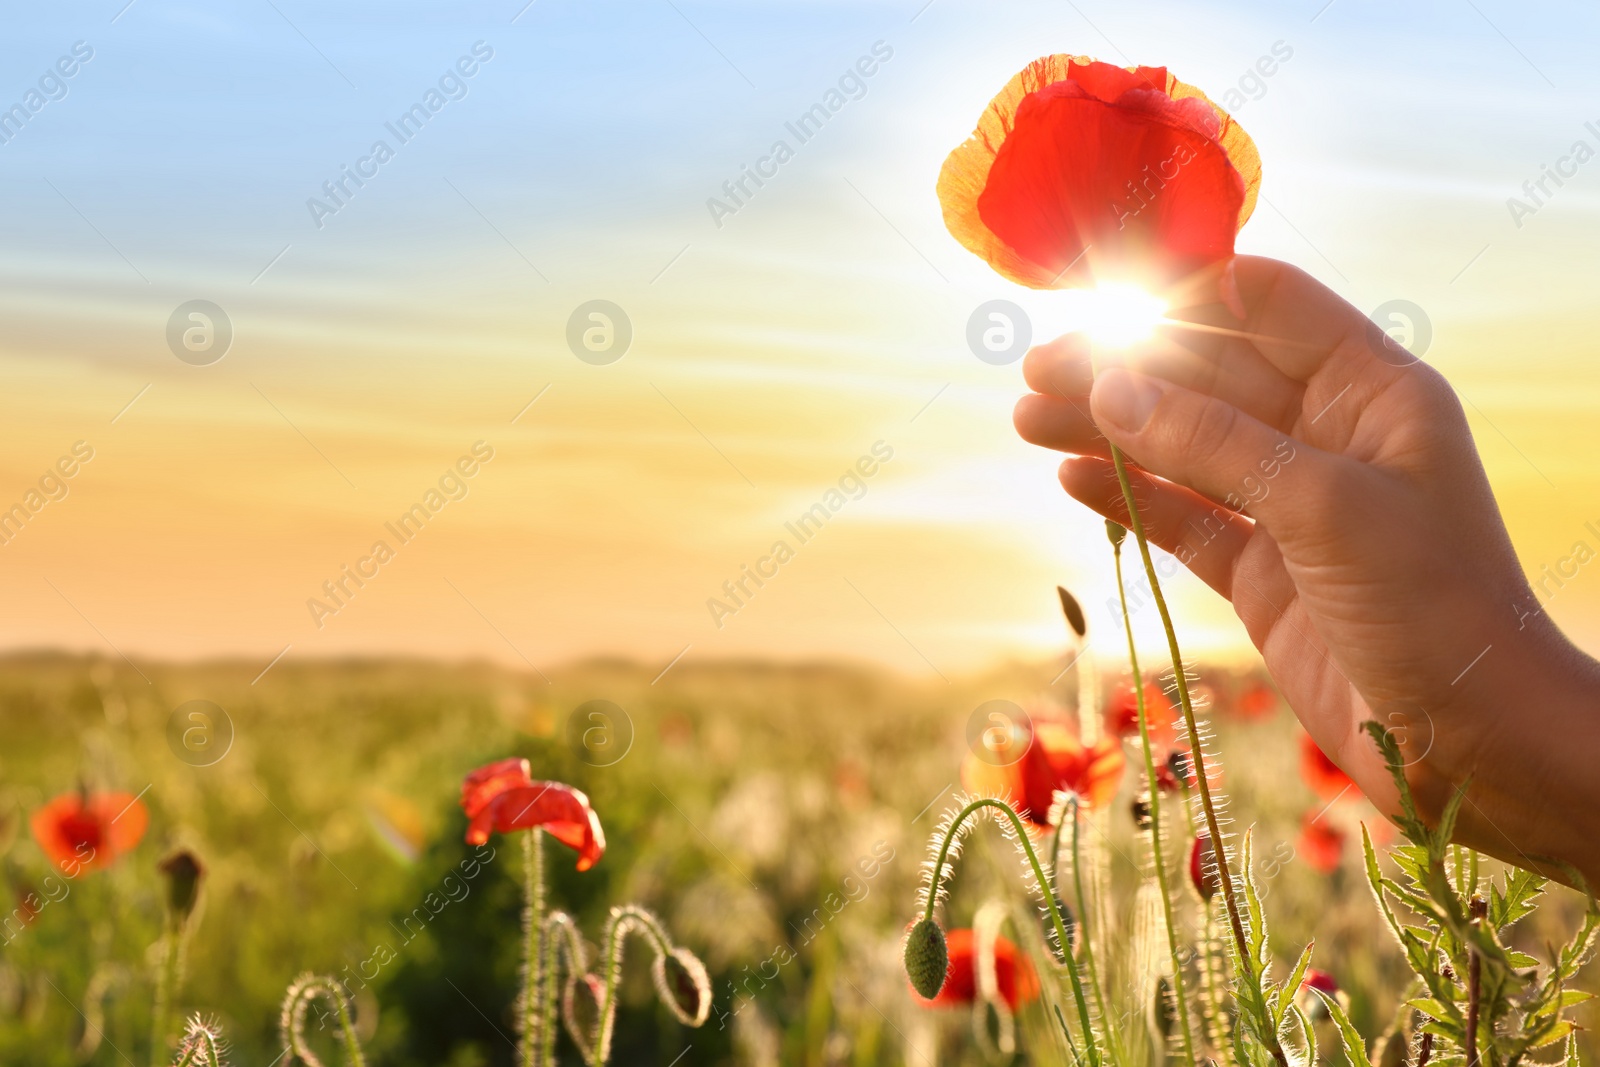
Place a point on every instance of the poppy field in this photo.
(770, 821)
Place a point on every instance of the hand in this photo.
(1326, 483)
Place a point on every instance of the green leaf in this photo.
(1430, 1007)
(1518, 899)
(1355, 1049)
(1447, 820)
(1293, 984)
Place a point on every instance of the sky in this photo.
(391, 335)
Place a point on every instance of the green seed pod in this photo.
(927, 958)
(1116, 532)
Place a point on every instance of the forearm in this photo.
(1525, 739)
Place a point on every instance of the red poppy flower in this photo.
(1054, 758)
(1015, 978)
(1079, 171)
(1321, 773)
(81, 832)
(1122, 714)
(1320, 844)
(501, 797)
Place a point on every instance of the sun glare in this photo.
(1115, 315)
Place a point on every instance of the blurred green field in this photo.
(748, 810)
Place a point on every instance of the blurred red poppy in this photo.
(85, 831)
(1054, 758)
(502, 797)
(1321, 773)
(1322, 980)
(1320, 843)
(1256, 701)
(1122, 714)
(1080, 170)
(1015, 978)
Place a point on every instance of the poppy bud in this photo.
(1164, 1009)
(1116, 532)
(183, 871)
(1181, 766)
(1073, 612)
(1141, 812)
(1478, 909)
(683, 985)
(1203, 868)
(580, 1009)
(927, 958)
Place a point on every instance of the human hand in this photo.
(1326, 483)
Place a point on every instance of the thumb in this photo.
(1215, 448)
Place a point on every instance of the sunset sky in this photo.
(376, 339)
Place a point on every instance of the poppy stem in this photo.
(625, 919)
(166, 990)
(1044, 884)
(534, 1021)
(1230, 894)
(1155, 817)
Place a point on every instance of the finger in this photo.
(1215, 449)
(1064, 425)
(1204, 537)
(1060, 367)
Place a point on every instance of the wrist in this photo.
(1524, 739)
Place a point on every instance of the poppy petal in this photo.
(488, 781)
(1059, 183)
(558, 809)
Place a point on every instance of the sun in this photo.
(1115, 314)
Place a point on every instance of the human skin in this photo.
(1371, 569)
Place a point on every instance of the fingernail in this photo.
(1126, 398)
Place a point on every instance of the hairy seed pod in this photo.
(683, 985)
(580, 1010)
(927, 958)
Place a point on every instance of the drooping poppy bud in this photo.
(183, 872)
(1203, 868)
(683, 985)
(580, 1010)
(927, 958)
(1073, 611)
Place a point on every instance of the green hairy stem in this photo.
(1021, 834)
(1155, 821)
